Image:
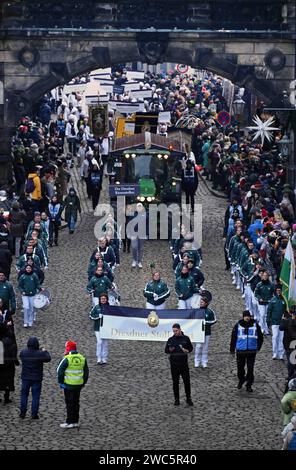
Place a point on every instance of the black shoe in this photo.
(50, 244)
(22, 415)
(35, 416)
(240, 384)
(71, 231)
(189, 402)
(56, 243)
(177, 402)
(249, 388)
(227, 268)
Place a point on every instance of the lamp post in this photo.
(238, 109)
(285, 150)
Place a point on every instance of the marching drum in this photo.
(42, 300)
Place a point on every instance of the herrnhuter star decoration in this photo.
(263, 129)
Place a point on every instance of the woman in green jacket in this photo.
(29, 286)
(96, 315)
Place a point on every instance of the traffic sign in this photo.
(182, 68)
(224, 118)
(124, 190)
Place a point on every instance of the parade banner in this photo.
(135, 75)
(99, 123)
(126, 107)
(141, 94)
(139, 324)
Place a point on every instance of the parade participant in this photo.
(96, 315)
(7, 366)
(99, 284)
(289, 435)
(37, 250)
(72, 206)
(23, 260)
(138, 238)
(106, 251)
(196, 273)
(99, 262)
(185, 289)
(156, 292)
(32, 360)
(29, 286)
(5, 259)
(201, 349)
(178, 347)
(7, 294)
(246, 341)
(263, 293)
(275, 311)
(72, 376)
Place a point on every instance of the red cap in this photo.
(70, 346)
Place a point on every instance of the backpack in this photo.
(292, 443)
(30, 186)
(95, 179)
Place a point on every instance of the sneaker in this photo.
(204, 366)
(75, 425)
(67, 426)
(99, 362)
(274, 358)
(140, 265)
(30, 325)
(177, 402)
(134, 264)
(196, 365)
(25, 325)
(234, 282)
(189, 402)
(56, 243)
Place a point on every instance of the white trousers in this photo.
(248, 297)
(185, 304)
(102, 348)
(262, 318)
(155, 307)
(201, 352)
(28, 306)
(254, 306)
(277, 342)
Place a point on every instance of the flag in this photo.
(140, 324)
(287, 276)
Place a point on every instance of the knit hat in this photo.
(246, 313)
(70, 346)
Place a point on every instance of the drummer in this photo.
(29, 286)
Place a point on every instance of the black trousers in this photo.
(190, 196)
(126, 242)
(242, 359)
(72, 404)
(183, 371)
(53, 230)
(95, 197)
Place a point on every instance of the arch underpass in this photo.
(42, 46)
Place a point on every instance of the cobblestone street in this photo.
(129, 403)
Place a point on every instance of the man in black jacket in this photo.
(190, 182)
(178, 346)
(32, 375)
(288, 326)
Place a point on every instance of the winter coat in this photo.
(22, 261)
(72, 206)
(177, 356)
(288, 326)
(33, 359)
(276, 309)
(18, 221)
(156, 288)
(288, 405)
(265, 292)
(36, 194)
(5, 259)
(106, 270)
(107, 254)
(246, 325)
(97, 316)
(7, 370)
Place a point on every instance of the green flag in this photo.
(287, 276)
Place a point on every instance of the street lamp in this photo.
(284, 145)
(238, 109)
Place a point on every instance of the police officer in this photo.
(246, 340)
(72, 376)
(178, 346)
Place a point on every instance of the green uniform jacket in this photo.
(185, 286)
(244, 254)
(7, 294)
(22, 262)
(275, 310)
(156, 287)
(232, 243)
(99, 285)
(95, 316)
(236, 247)
(106, 269)
(288, 405)
(29, 284)
(248, 269)
(210, 319)
(264, 292)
